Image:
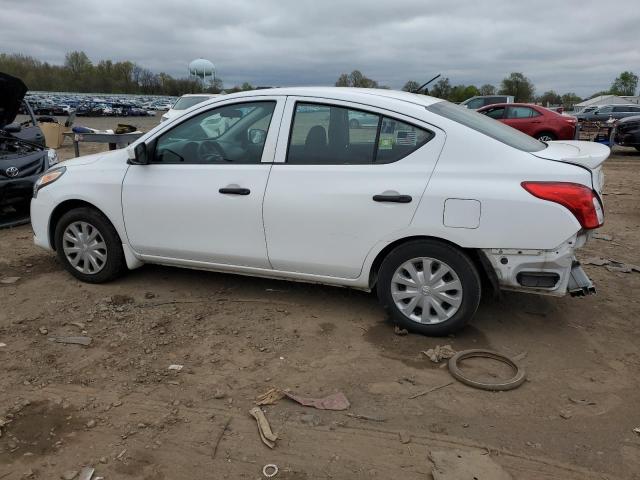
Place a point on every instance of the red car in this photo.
(539, 122)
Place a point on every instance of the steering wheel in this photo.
(211, 151)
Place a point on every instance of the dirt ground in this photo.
(114, 405)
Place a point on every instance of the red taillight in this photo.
(578, 199)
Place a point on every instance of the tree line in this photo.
(516, 85)
(80, 74)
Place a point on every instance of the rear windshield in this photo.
(490, 127)
(187, 102)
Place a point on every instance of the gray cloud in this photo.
(565, 45)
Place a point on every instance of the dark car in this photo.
(21, 161)
(28, 129)
(626, 132)
(606, 112)
(539, 122)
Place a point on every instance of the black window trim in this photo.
(381, 116)
(151, 144)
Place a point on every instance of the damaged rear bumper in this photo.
(553, 272)
(580, 285)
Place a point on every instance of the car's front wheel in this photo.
(88, 246)
(429, 287)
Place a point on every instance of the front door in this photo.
(345, 177)
(200, 198)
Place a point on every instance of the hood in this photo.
(586, 154)
(12, 91)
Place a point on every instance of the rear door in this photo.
(338, 187)
(525, 119)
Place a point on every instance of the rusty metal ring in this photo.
(514, 382)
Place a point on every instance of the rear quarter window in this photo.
(487, 126)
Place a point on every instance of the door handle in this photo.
(392, 198)
(235, 191)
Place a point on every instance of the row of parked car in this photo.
(98, 106)
(546, 124)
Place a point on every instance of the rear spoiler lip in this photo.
(596, 154)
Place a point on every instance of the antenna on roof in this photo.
(421, 87)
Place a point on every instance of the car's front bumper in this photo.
(548, 272)
(17, 190)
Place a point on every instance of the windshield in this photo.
(188, 102)
(488, 126)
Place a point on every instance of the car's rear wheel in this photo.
(546, 137)
(88, 246)
(429, 287)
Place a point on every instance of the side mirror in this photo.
(257, 136)
(12, 128)
(138, 155)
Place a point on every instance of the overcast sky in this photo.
(565, 45)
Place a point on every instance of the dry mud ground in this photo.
(114, 405)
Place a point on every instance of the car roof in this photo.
(362, 95)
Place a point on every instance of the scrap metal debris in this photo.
(175, 367)
(518, 378)
(441, 352)
(86, 341)
(336, 401)
(264, 429)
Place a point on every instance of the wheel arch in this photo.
(66, 206)
(488, 275)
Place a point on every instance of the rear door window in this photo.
(521, 112)
(334, 135)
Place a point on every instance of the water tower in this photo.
(203, 70)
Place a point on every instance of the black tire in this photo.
(353, 123)
(457, 261)
(545, 134)
(115, 264)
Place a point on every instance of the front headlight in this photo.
(47, 178)
(52, 156)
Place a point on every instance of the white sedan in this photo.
(425, 207)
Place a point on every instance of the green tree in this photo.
(355, 79)
(441, 89)
(550, 98)
(625, 84)
(487, 89)
(411, 86)
(519, 86)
